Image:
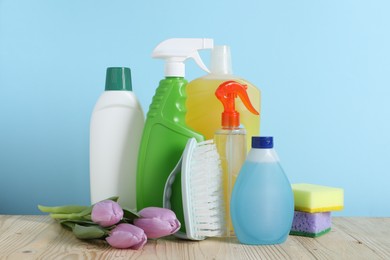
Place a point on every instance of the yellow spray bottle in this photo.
(203, 109)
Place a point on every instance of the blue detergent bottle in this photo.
(262, 203)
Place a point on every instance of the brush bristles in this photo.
(207, 191)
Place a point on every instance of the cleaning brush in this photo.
(202, 191)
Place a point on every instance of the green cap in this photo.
(118, 78)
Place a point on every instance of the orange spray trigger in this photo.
(226, 93)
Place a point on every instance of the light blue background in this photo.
(323, 68)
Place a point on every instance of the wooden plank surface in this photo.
(39, 237)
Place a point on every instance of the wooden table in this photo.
(39, 237)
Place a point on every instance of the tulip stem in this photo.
(83, 215)
(71, 216)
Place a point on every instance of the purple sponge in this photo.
(311, 224)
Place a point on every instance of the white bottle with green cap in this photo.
(116, 127)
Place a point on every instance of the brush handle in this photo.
(168, 193)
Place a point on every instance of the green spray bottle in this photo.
(165, 133)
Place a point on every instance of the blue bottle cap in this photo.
(262, 142)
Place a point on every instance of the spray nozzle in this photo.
(176, 50)
(226, 93)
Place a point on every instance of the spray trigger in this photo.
(227, 93)
(176, 51)
(199, 61)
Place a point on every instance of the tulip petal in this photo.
(127, 236)
(141, 243)
(155, 212)
(122, 239)
(156, 228)
(175, 224)
(106, 213)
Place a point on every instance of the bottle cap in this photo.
(221, 62)
(118, 78)
(262, 142)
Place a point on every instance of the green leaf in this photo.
(129, 215)
(76, 221)
(88, 232)
(114, 198)
(67, 209)
(68, 225)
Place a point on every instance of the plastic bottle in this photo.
(202, 107)
(262, 203)
(115, 133)
(165, 134)
(231, 139)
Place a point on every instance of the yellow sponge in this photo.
(316, 198)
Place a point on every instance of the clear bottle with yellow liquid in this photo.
(204, 109)
(230, 139)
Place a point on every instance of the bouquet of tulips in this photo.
(120, 227)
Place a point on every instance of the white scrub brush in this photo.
(201, 187)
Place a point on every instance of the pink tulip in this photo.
(127, 236)
(106, 213)
(157, 222)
